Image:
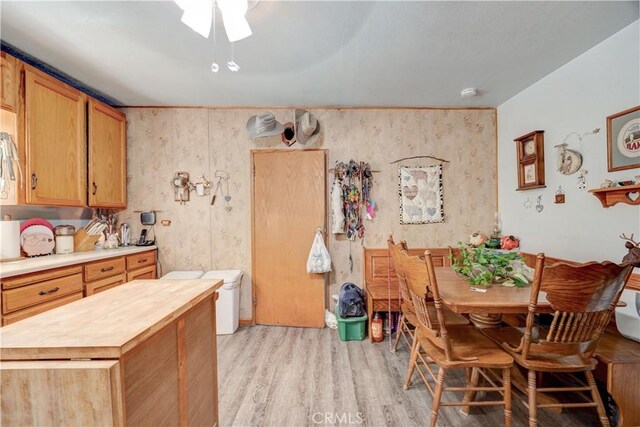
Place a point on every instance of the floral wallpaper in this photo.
(162, 141)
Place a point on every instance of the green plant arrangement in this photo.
(482, 266)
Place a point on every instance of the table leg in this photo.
(483, 321)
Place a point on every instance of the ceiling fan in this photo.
(199, 15)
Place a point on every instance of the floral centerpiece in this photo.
(482, 266)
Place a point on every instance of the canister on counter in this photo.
(64, 238)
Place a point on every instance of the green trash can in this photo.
(352, 328)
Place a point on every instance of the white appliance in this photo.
(228, 304)
(628, 318)
(183, 275)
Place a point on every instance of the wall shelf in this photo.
(629, 194)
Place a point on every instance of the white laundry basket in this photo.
(183, 275)
(228, 304)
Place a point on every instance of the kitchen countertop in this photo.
(31, 265)
(104, 325)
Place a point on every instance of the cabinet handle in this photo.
(34, 181)
(50, 291)
(95, 188)
(104, 270)
(140, 261)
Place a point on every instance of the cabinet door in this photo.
(104, 284)
(61, 392)
(55, 142)
(107, 156)
(142, 273)
(9, 84)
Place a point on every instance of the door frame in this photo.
(252, 154)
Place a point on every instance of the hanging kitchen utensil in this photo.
(221, 176)
(9, 163)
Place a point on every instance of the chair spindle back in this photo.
(420, 279)
(394, 251)
(583, 298)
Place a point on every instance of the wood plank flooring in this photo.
(279, 376)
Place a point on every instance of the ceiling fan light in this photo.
(198, 16)
(236, 27)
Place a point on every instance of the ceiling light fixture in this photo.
(469, 92)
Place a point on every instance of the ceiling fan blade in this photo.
(198, 15)
(236, 27)
(233, 17)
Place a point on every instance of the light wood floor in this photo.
(278, 376)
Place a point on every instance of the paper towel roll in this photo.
(9, 239)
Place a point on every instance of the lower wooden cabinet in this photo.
(30, 294)
(166, 379)
(104, 284)
(39, 380)
(13, 317)
(105, 268)
(141, 266)
(26, 296)
(142, 273)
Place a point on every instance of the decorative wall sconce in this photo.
(182, 187)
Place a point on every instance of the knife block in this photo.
(82, 242)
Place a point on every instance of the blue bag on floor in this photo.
(350, 301)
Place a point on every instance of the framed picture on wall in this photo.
(530, 158)
(623, 140)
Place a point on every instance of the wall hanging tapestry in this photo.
(420, 191)
(354, 183)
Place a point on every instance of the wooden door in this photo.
(55, 141)
(289, 204)
(107, 156)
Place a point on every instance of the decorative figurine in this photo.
(477, 239)
(633, 257)
(509, 242)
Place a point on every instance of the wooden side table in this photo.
(619, 369)
(378, 300)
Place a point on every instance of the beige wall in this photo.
(200, 141)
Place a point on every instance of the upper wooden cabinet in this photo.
(107, 156)
(55, 142)
(9, 75)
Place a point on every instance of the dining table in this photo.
(484, 305)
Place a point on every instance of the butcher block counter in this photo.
(143, 353)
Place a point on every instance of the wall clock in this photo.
(530, 157)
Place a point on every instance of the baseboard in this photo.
(246, 322)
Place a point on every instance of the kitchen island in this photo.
(143, 353)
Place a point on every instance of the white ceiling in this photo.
(322, 53)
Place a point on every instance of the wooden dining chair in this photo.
(408, 320)
(450, 347)
(583, 298)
